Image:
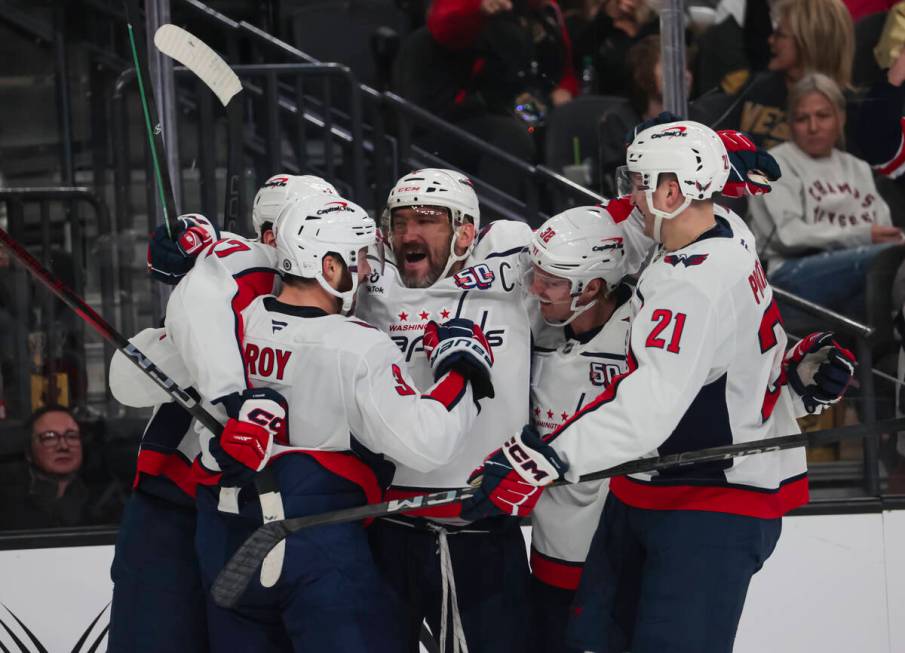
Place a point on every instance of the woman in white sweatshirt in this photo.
(824, 221)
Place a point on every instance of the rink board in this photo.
(835, 584)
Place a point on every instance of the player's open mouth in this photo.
(414, 257)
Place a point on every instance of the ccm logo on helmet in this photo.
(671, 132)
(339, 206)
(409, 189)
(275, 182)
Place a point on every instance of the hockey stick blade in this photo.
(238, 572)
(197, 56)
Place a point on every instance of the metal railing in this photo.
(52, 233)
(378, 132)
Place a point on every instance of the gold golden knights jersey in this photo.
(704, 356)
(488, 291)
(563, 380)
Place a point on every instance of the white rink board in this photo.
(56, 594)
(824, 589)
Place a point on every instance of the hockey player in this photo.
(575, 267)
(348, 392)
(439, 268)
(706, 335)
(158, 601)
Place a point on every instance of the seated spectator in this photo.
(51, 492)
(492, 67)
(606, 39)
(808, 36)
(646, 97)
(824, 221)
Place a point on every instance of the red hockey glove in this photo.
(619, 208)
(459, 344)
(170, 259)
(257, 416)
(751, 169)
(195, 233)
(819, 369)
(513, 477)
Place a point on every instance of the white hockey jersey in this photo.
(346, 385)
(563, 380)
(704, 358)
(488, 291)
(169, 444)
(204, 312)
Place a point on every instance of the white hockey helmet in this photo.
(448, 189)
(688, 149)
(577, 246)
(311, 227)
(279, 189)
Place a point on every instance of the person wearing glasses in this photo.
(51, 493)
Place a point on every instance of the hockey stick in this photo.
(216, 74)
(211, 69)
(108, 333)
(235, 575)
(149, 110)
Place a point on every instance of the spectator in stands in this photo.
(492, 67)
(51, 492)
(646, 97)
(808, 36)
(606, 39)
(824, 220)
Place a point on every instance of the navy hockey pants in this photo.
(661, 580)
(330, 596)
(158, 600)
(490, 568)
(550, 607)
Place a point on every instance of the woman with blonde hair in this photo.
(808, 36)
(824, 221)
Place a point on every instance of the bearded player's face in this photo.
(421, 236)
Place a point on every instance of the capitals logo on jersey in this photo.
(415, 321)
(685, 259)
(478, 276)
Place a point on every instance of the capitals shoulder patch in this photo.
(685, 259)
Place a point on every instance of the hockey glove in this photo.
(819, 369)
(170, 259)
(751, 169)
(257, 416)
(513, 477)
(459, 344)
(619, 208)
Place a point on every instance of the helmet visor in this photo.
(545, 287)
(628, 182)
